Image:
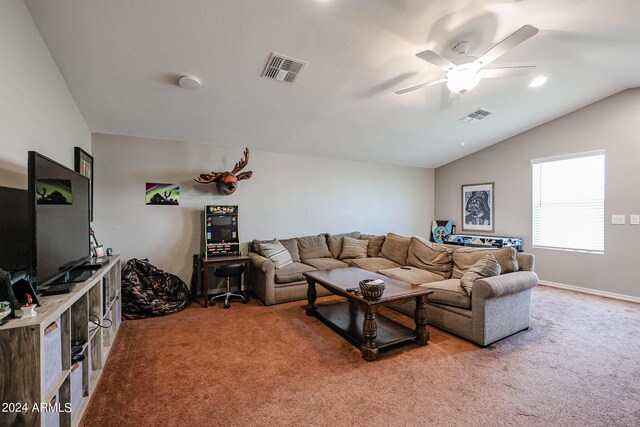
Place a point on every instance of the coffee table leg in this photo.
(311, 297)
(370, 332)
(420, 317)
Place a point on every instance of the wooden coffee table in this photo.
(356, 319)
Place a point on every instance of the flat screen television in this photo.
(58, 206)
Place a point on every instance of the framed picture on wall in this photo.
(477, 207)
(84, 166)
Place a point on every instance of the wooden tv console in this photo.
(36, 368)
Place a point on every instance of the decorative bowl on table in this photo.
(372, 289)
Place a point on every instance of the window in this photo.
(568, 202)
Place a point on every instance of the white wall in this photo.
(610, 124)
(288, 195)
(37, 111)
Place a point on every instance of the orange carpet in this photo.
(578, 364)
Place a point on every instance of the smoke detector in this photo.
(283, 68)
(462, 48)
(189, 82)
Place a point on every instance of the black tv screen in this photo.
(59, 217)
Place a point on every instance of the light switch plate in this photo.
(634, 219)
(618, 219)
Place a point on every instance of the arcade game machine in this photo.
(221, 231)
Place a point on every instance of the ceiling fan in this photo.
(465, 73)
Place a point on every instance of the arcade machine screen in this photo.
(221, 231)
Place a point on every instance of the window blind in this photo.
(568, 202)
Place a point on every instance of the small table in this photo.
(220, 261)
(345, 318)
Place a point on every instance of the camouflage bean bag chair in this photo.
(149, 292)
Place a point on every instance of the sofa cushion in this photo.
(292, 273)
(353, 248)
(430, 257)
(464, 258)
(487, 266)
(413, 275)
(313, 247)
(325, 263)
(335, 242)
(374, 264)
(375, 244)
(526, 262)
(395, 248)
(507, 258)
(449, 292)
(276, 252)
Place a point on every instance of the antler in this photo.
(242, 163)
(206, 178)
(244, 175)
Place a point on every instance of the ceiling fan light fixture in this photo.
(462, 80)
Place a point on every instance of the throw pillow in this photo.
(335, 242)
(375, 244)
(431, 257)
(395, 248)
(465, 257)
(292, 246)
(276, 252)
(353, 248)
(487, 266)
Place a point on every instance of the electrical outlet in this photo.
(618, 219)
(634, 219)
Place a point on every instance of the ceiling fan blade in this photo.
(435, 59)
(506, 45)
(492, 73)
(412, 88)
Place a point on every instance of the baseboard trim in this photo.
(590, 291)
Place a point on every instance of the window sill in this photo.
(584, 251)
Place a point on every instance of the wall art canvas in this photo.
(440, 230)
(162, 194)
(477, 207)
(54, 192)
(84, 166)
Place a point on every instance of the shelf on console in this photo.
(93, 380)
(80, 411)
(21, 344)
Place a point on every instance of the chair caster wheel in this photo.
(245, 301)
(227, 306)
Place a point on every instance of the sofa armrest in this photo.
(262, 277)
(261, 263)
(505, 284)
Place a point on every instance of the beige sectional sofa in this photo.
(497, 307)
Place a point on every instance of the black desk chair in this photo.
(229, 271)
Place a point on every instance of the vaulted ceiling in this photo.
(121, 60)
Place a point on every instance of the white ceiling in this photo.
(121, 60)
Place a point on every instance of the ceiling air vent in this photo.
(283, 68)
(475, 117)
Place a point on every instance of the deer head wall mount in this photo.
(227, 182)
